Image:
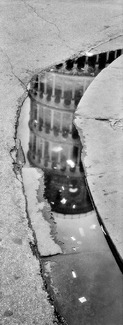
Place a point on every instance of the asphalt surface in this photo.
(34, 35)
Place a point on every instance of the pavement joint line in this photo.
(112, 122)
(104, 42)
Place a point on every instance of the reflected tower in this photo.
(54, 143)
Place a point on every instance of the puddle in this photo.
(79, 268)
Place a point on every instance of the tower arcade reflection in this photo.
(54, 143)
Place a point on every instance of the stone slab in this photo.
(100, 121)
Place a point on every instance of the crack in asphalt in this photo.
(104, 42)
(114, 123)
(49, 22)
(101, 119)
(12, 69)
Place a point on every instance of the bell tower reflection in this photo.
(54, 143)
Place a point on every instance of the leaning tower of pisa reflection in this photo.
(54, 143)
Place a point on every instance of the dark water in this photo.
(85, 281)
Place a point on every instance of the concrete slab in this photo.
(100, 119)
(45, 242)
(35, 34)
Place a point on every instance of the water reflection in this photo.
(84, 273)
(54, 143)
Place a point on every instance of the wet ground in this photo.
(23, 53)
(82, 276)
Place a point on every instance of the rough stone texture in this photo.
(46, 244)
(35, 34)
(100, 119)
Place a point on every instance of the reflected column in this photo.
(73, 95)
(39, 83)
(115, 54)
(61, 121)
(62, 93)
(43, 148)
(52, 119)
(97, 64)
(50, 155)
(38, 108)
(45, 89)
(107, 58)
(53, 86)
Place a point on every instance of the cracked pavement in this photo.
(32, 38)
